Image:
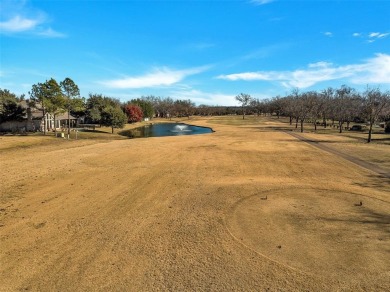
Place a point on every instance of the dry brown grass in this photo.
(189, 213)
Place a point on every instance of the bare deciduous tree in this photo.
(342, 103)
(376, 104)
(245, 100)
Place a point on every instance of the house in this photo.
(35, 121)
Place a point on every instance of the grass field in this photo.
(248, 207)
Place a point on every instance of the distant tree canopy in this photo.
(95, 105)
(337, 107)
(134, 113)
(145, 105)
(48, 96)
(72, 101)
(105, 111)
(51, 97)
(9, 106)
(162, 107)
(113, 117)
(375, 104)
(183, 108)
(244, 99)
(342, 106)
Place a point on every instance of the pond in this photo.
(166, 129)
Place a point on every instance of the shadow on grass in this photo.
(93, 131)
(269, 128)
(375, 219)
(127, 133)
(91, 134)
(24, 134)
(316, 141)
(331, 130)
(385, 140)
(376, 181)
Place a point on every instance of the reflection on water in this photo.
(161, 130)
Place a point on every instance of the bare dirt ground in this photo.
(247, 208)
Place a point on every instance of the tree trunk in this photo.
(44, 121)
(112, 130)
(55, 126)
(341, 127)
(290, 120)
(370, 131)
(315, 125)
(301, 126)
(68, 123)
(324, 121)
(296, 123)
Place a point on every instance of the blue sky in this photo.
(207, 51)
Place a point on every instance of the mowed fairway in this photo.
(246, 208)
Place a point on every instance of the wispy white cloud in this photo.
(374, 70)
(320, 65)
(158, 77)
(266, 51)
(260, 53)
(18, 24)
(261, 2)
(328, 34)
(50, 33)
(18, 18)
(207, 98)
(378, 35)
(373, 36)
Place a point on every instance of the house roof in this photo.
(37, 113)
(26, 104)
(65, 116)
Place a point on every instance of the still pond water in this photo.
(161, 130)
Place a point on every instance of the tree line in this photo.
(112, 112)
(55, 99)
(337, 106)
(340, 106)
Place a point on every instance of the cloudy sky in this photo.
(206, 50)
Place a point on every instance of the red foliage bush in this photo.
(134, 113)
